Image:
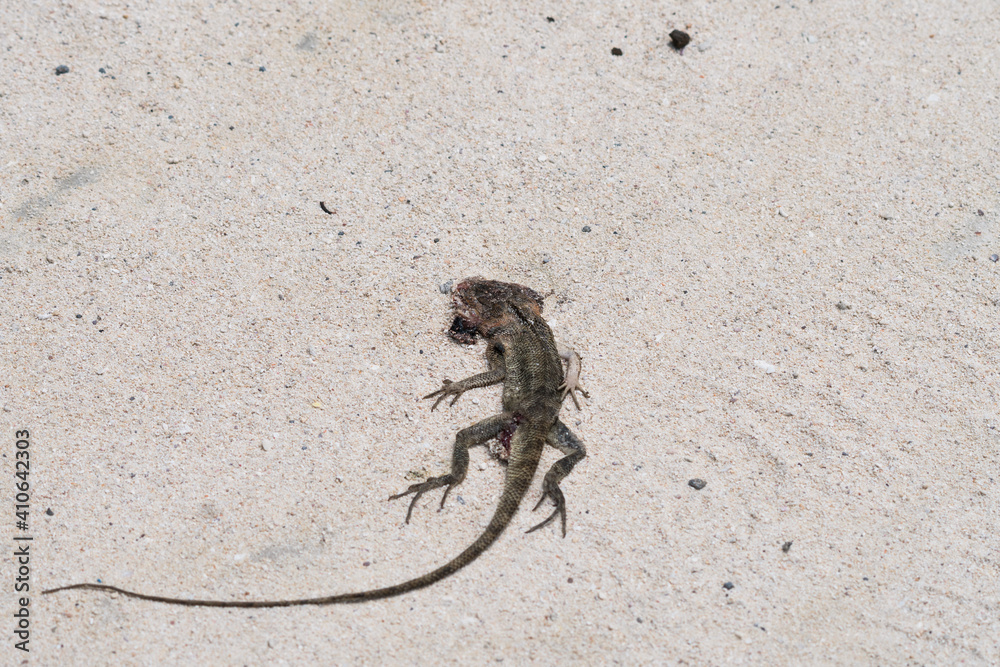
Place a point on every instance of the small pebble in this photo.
(446, 287)
(980, 212)
(764, 366)
(586, 228)
(697, 484)
(62, 69)
(728, 585)
(786, 546)
(679, 39)
(842, 306)
(262, 69)
(49, 512)
(543, 158)
(994, 257)
(616, 51)
(811, 39)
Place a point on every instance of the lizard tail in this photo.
(516, 485)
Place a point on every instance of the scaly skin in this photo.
(522, 354)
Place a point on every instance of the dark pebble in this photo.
(616, 51)
(79, 317)
(49, 512)
(262, 69)
(586, 228)
(697, 484)
(980, 212)
(728, 585)
(550, 19)
(62, 69)
(842, 306)
(102, 70)
(679, 39)
(786, 547)
(994, 257)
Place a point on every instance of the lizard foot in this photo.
(449, 389)
(423, 487)
(552, 490)
(571, 388)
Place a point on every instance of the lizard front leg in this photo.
(571, 385)
(562, 439)
(497, 373)
(456, 389)
(477, 434)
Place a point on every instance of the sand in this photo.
(772, 250)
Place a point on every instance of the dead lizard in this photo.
(522, 354)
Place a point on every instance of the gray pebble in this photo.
(994, 257)
(446, 287)
(697, 484)
(62, 69)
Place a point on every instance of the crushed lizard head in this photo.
(481, 305)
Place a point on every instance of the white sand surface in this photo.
(772, 252)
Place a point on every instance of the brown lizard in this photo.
(522, 354)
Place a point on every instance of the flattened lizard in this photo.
(522, 354)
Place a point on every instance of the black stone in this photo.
(679, 39)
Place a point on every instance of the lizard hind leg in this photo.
(477, 434)
(562, 439)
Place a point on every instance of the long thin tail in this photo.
(515, 488)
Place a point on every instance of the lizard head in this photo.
(481, 305)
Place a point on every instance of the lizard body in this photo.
(522, 354)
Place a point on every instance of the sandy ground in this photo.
(773, 252)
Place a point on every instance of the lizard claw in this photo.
(552, 491)
(446, 390)
(571, 389)
(423, 487)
